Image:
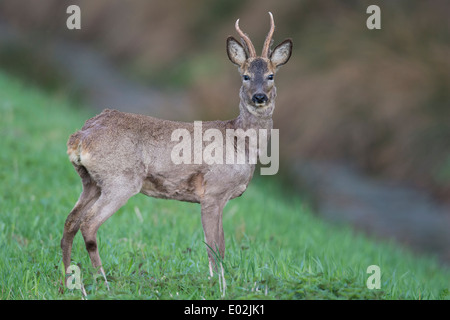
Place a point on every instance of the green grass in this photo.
(154, 249)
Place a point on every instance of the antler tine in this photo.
(268, 42)
(248, 43)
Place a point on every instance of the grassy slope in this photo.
(276, 249)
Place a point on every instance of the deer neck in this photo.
(251, 118)
(248, 120)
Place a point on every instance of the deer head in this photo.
(258, 90)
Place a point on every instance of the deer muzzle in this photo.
(260, 98)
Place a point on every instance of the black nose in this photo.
(259, 98)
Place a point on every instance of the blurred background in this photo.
(364, 115)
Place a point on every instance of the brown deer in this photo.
(118, 155)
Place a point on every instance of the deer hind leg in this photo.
(110, 200)
(90, 194)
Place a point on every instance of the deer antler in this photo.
(268, 42)
(248, 43)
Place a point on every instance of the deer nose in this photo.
(259, 98)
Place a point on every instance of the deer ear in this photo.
(281, 54)
(235, 51)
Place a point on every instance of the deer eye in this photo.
(246, 77)
(270, 77)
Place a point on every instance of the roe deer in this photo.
(118, 155)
